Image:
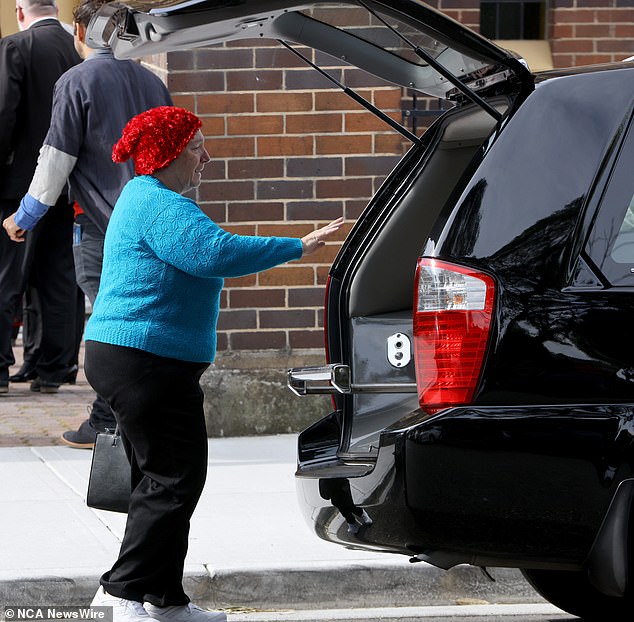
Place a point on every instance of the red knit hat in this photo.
(155, 138)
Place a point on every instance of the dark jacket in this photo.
(31, 61)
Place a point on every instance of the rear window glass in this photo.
(623, 248)
(611, 242)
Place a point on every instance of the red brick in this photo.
(255, 211)
(305, 123)
(222, 342)
(377, 165)
(225, 103)
(562, 31)
(213, 126)
(387, 99)
(256, 298)
(239, 229)
(242, 281)
(227, 191)
(237, 319)
(195, 81)
(353, 209)
(391, 143)
(285, 230)
(294, 318)
(593, 30)
(287, 275)
(310, 210)
(267, 79)
(214, 170)
(336, 100)
(255, 168)
(306, 338)
(624, 30)
(323, 255)
(322, 274)
(283, 189)
(253, 125)
(573, 46)
(348, 143)
(216, 211)
(367, 122)
(187, 101)
(284, 102)
(284, 145)
(279, 57)
(230, 147)
(616, 46)
(179, 61)
(574, 16)
(348, 187)
(314, 167)
(259, 340)
(563, 60)
(224, 58)
(306, 297)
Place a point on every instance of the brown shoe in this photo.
(82, 438)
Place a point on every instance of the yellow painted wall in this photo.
(9, 25)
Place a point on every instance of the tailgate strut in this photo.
(354, 95)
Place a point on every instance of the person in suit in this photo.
(91, 105)
(31, 61)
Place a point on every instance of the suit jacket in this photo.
(31, 61)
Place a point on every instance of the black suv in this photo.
(479, 315)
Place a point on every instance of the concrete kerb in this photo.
(311, 586)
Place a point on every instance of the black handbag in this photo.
(109, 481)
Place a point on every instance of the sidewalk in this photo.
(250, 548)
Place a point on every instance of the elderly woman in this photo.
(150, 337)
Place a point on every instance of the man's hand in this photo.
(13, 231)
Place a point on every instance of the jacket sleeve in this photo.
(185, 237)
(58, 155)
(11, 76)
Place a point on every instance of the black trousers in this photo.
(46, 260)
(158, 404)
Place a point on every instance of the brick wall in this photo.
(584, 32)
(290, 152)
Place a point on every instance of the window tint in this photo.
(623, 248)
(611, 243)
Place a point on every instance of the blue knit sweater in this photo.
(164, 263)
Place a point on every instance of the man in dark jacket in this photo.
(31, 61)
(91, 105)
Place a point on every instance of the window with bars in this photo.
(513, 19)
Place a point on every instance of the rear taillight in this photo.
(453, 309)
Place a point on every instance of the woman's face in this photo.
(186, 170)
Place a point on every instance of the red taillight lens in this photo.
(453, 309)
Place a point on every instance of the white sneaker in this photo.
(184, 613)
(122, 610)
(364, 519)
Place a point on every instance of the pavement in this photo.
(250, 548)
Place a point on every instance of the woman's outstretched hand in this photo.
(316, 239)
